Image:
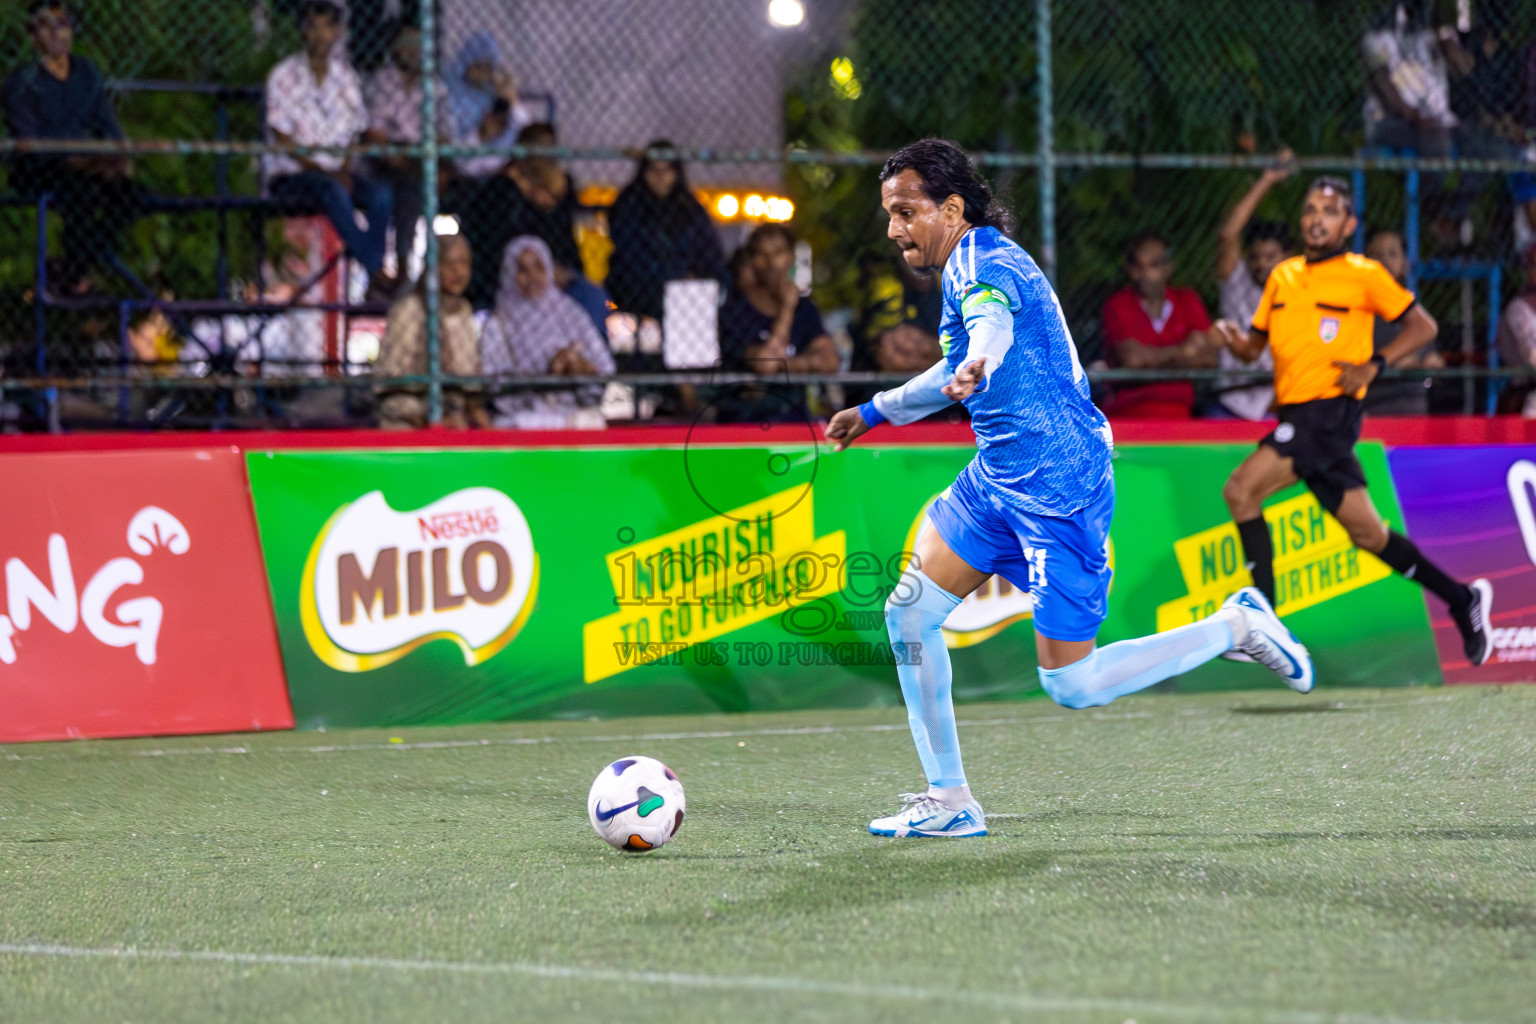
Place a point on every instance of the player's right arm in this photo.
(1229, 239)
(921, 396)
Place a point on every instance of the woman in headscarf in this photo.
(403, 351)
(536, 329)
(482, 102)
(660, 233)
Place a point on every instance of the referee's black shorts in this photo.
(1319, 437)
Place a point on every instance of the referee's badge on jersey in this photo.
(1328, 328)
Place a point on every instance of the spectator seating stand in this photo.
(1465, 271)
(223, 202)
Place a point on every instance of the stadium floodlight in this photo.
(727, 205)
(785, 13)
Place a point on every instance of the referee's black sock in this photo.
(1403, 555)
(1259, 550)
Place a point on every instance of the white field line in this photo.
(61, 751)
(714, 982)
(509, 741)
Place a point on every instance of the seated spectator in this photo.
(525, 199)
(896, 329)
(1149, 325)
(482, 104)
(766, 326)
(60, 95)
(1246, 251)
(533, 196)
(314, 99)
(660, 233)
(1397, 397)
(394, 116)
(571, 277)
(404, 349)
(1517, 341)
(534, 330)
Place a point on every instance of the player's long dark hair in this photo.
(946, 171)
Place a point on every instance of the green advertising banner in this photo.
(464, 585)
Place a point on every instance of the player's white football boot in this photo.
(1269, 643)
(922, 815)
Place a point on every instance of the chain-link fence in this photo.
(229, 214)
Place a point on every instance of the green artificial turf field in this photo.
(1354, 856)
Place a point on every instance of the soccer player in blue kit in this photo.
(1034, 506)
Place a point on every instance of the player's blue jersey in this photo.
(1041, 442)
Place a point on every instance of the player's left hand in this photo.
(966, 379)
(1354, 376)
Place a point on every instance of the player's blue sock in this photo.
(1132, 665)
(914, 614)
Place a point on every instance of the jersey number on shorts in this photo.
(1036, 559)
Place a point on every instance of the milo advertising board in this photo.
(443, 586)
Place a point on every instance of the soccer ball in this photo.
(636, 804)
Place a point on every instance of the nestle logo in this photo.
(456, 524)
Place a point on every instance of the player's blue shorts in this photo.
(1062, 561)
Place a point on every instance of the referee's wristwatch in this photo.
(1379, 361)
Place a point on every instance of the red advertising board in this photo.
(135, 601)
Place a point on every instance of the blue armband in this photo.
(871, 414)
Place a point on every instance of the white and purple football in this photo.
(636, 804)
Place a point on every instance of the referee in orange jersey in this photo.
(1316, 316)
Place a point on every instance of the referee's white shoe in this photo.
(1269, 643)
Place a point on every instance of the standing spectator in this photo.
(404, 348)
(534, 330)
(1396, 397)
(482, 104)
(1408, 99)
(660, 233)
(60, 95)
(313, 99)
(1517, 341)
(394, 116)
(1246, 251)
(1149, 325)
(1487, 99)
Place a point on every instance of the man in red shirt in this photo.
(1148, 325)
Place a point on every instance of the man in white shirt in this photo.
(1408, 98)
(1246, 251)
(314, 99)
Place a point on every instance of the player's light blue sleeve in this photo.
(921, 396)
(989, 326)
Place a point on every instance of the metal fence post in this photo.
(1043, 84)
(429, 209)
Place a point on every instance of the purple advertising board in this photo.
(1472, 510)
